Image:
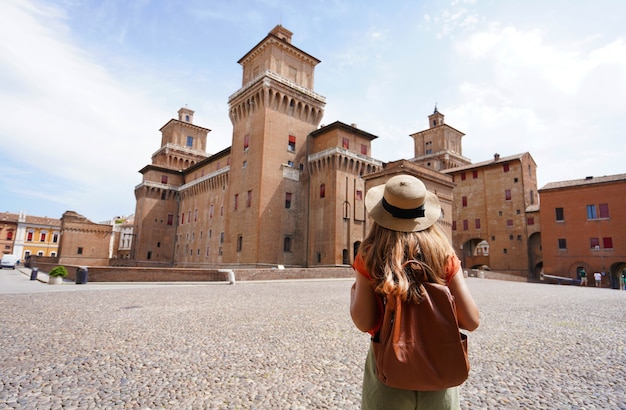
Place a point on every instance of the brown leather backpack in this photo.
(419, 346)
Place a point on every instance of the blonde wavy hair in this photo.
(399, 262)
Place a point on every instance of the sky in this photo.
(86, 85)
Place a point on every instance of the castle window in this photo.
(465, 225)
(509, 223)
(345, 143)
(505, 167)
(287, 200)
(559, 215)
(474, 174)
(164, 179)
(454, 225)
(79, 251)
(211, 208)
(477, 223)
(287, 244)
(249, 199)
(531, 221)
(236, 201)
(9, 235)
(292, 144)
(562, 244)
(607, 243)
(170, 219)
(507, 194)
(189, 141)
(246, 142)
(363, 149)
(322, 190)
(594, 243)
(239, 243)
(464, 201)
(463, 176)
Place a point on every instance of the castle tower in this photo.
(183, 144)
(439, 147)
(272, 114)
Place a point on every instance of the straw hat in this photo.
(403, 204)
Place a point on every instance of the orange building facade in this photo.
(584, 227)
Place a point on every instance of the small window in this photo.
(249, 199)
(604, 210)
(221, 237)
(505, 167)
(507, 194)
(591, 212)
(560, 216)
(246, 142)
(211, 210)
(345, 143)
(287, 200)
(463, 176)
(164, 179)
(464, 201)
(475, 174)
(531, 221)
(236, 201)
(454, 225)
(189, 141)
(9, 235)
(239, 243)
(465, 225)
(322, 190)
(292, 144)
(170, 219)
(79, 251)
(477, 223)
(363, 149)
(509, 223)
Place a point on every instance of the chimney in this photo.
(496, 156)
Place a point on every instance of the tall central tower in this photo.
(272, 115)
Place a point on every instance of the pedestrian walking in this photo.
(597, 276)
(404, 228)
(583, 277)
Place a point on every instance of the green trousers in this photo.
(378, 396)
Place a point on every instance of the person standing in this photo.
(598, 278)
(404, 228)
(583, 277)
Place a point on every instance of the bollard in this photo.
(33, 273)
(231, 275)
(81, 275)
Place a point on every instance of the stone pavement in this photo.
(288, 345)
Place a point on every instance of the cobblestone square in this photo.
(291, 345)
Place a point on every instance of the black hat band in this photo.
(403, 213)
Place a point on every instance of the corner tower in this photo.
(439, 147)
(272, 115)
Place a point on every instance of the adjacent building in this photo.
(584, 227)
(495, 218)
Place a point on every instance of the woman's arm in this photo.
(363, 304)
(466, 308)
